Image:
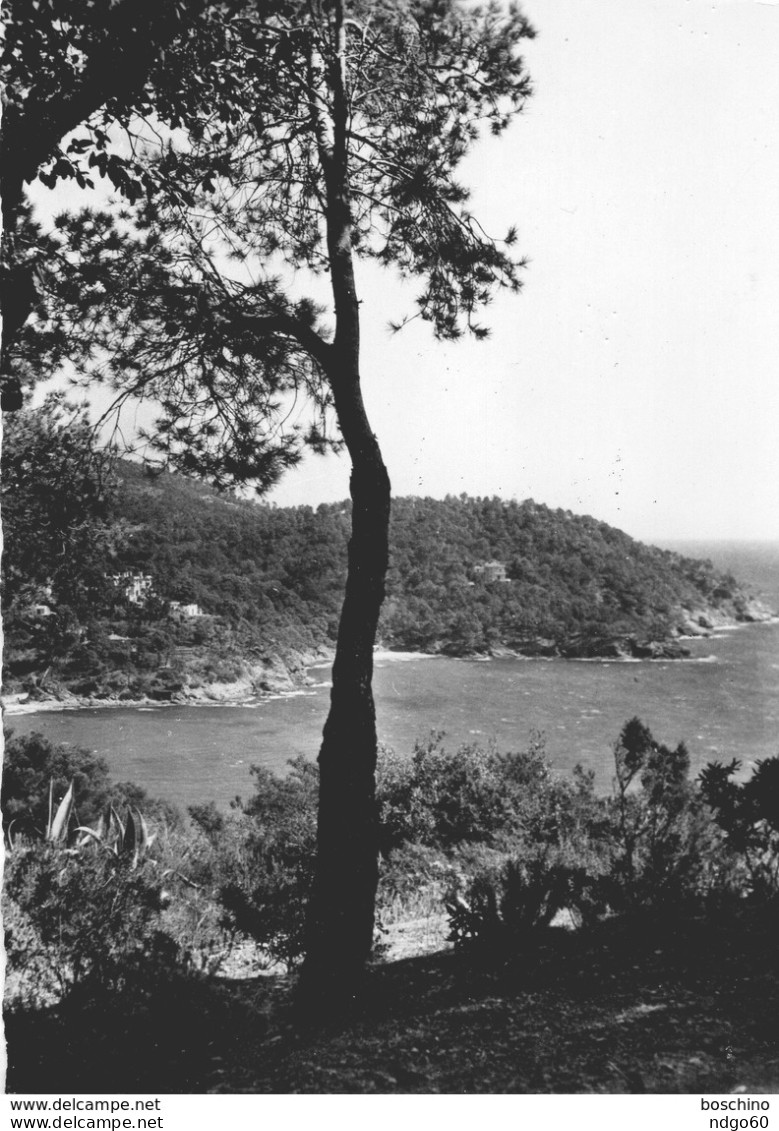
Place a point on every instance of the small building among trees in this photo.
(136, 587)
(490, 572)
(178, 611)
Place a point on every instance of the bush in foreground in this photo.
(261, 860)
(81, 920)
(498, 839)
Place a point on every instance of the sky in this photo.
(635, 377)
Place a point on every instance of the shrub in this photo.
(472, 900)
(81, 919)
(748, 815)
(520, 889)
(499, 837)
(193, 916)
(208, 818)
(264, 860)
(443, 799)
(663, 840)
(650, 847)
(85, 917)
(413, 882)
(129, 795)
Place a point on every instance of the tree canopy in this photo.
(348, 130)
(115, 72)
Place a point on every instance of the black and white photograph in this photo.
(390, 569)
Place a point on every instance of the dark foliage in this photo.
(85, 88)
(748, 814)
(442, 799)
(665, 844)
(650, 852)
(85, 921)
(264, 863)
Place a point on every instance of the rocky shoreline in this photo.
(629, 646)
(275, 677)
(268, 679)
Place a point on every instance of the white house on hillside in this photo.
(491, 571)
(136, 587)
(178, 611)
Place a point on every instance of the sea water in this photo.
(723, 703)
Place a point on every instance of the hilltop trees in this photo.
(271, 579)
(347, 122)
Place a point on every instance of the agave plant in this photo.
(57, 824)
(129, 839)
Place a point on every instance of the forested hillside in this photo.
(476, 574)
(466, 575)
(237, 590)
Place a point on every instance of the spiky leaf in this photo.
(57, 831)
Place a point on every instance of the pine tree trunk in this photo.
(341, 910)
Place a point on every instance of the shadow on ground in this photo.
(648, 1008)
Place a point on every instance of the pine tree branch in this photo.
(269, 325)
(135, 31)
